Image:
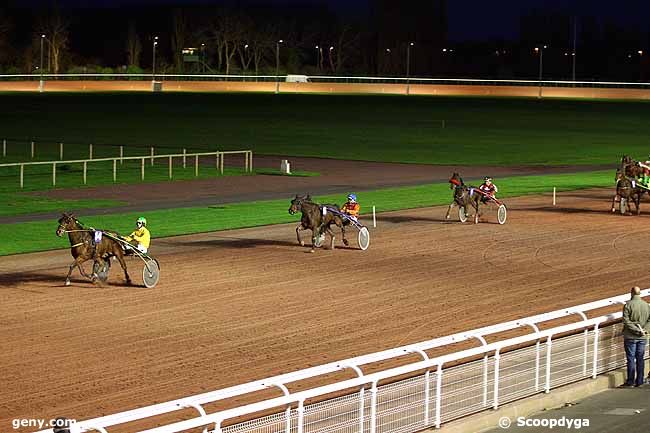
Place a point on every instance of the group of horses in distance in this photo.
(627, 187)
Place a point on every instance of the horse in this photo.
(630, 167)
(83, 248)
(463, 195)
(316, 218)
(626, 190)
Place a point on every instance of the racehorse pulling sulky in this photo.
(316, 218)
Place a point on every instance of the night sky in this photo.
(468, 19)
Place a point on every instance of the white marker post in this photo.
(553, 196)
(374, 217)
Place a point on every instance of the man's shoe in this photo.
(625, 385)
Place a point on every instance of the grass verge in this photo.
(38, 236)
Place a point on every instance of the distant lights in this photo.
(388, 50)
(640, 52)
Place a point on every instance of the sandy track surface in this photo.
(242, 305)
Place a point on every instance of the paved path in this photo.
(621, 410)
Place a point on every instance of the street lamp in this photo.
(40, 83)
(408, 67)
(319, 51)
(153, 69)
(203, 58)
(277, 65)
(541, 66)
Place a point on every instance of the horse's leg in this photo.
(614, 202)
(476, 207)
(77, 264)
(300, 228)
(451, 205)
(330, 232)
(637, 202)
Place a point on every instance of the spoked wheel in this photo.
(364, 238)
(462, 216)
(318, 241)
(623, 206)
(502, 214)
(151, 273)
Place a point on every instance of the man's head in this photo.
(352, 198)
(488, 180)
(141, 222)
(636, 290)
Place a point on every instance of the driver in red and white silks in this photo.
(488, 188)
(351, 208)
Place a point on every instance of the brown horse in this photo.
(83, 248)
(626, 191)
(463, 196)
(316, 218)
(630, 167)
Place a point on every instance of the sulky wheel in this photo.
(364, 238)
(462, 216)
(502, 214)
(150, 273)
(318, 240)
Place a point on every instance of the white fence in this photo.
(326, 79)
(219, 162)
(436, 389)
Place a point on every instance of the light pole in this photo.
(331, 59)
(153, 69)
(40, 82)
(203, 58)
(318, 51)
(541, 66)
(408, 67)
(277, 66)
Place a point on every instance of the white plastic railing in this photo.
(328, 78)
(219, 162)
(431, 367)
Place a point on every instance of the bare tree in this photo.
(345, 45)
(133, 45)
(227, 33)
(55, 29)
(178, 37)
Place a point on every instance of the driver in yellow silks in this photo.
(140, 237)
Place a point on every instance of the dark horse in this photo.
(630, 167)
(316, 218)
(626, 191)
(463, 196)
(83, 248)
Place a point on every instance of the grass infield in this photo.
(480, 131)
(38, 236)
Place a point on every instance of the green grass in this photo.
(37, 236)
(506, 131)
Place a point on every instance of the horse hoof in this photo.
(67, 282)
(345, 242)
(302, 244)
(312, 250)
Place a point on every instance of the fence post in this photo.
(537, 355)
(85, 170)
(152, 156)
(549, 344)
(22, 175)
(250, 160)
(246, 162)
(61, 151)
(497, 358)
(54, 174)
(142, 170)
(121, 154)
(223, 156)
(184, 158)
(362, 403)
(32, 150)
(196, 165)
(373, 407)
(4, 148)
(595, 363)
(170, 166)
(427, 396)
(301, 416)
(438, 395)
(90, 151)
(114, 170)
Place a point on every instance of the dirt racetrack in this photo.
(246, 304)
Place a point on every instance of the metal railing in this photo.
(439, 389)
(219, 163)
(329, 79)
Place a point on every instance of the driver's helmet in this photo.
(142, 221)
(352, 197)
(488, 179)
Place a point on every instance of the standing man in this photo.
(636, 317)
